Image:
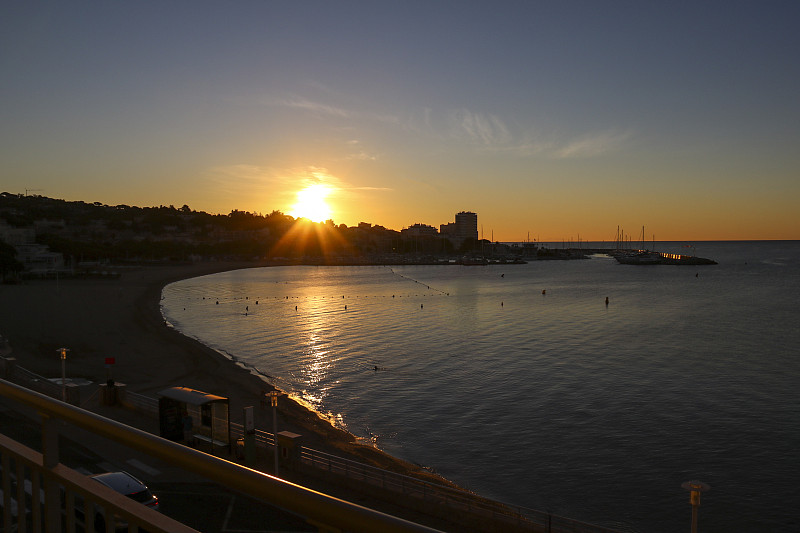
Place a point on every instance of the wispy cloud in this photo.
(259, 178)
(242, 175)
(231, 180)
(485, 132)
(372, 188)
(490, 133)
(591, 145)
(479, 128)
(305, 104)
(324, 109)
(552, 146)
(316, 107)
(249, 185)
(358, 153)
(312, 175)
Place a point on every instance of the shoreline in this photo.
(121, 318)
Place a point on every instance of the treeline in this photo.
(85, 231)
(20, 210)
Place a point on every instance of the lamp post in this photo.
(63, 352)
(273, 396)
(695, 488)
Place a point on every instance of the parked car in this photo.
(125, 484)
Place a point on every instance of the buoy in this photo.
(345, 307)
(544, 291)
(217, 302)
(420, 306)
(606, 300)
(501, 304)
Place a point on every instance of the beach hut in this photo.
(194, 417)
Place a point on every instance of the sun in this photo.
(311, 203)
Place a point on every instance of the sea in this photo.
(585, 388)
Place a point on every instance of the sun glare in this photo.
(311, 203)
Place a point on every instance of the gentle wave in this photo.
(549, 400)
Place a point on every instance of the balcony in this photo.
(41, 494)
(37, 489)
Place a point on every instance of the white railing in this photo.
(138, 402)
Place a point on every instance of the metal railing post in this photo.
(50, 459)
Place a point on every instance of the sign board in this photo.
(249, 423)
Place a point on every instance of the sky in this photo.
(552, 120)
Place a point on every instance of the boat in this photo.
(679, 259)
(474, 261)
(638, 257)
(647, 257)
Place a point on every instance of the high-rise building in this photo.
(464, 228)
(467, 225)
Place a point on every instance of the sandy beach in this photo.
(120, 317)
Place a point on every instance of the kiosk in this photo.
(194, 417)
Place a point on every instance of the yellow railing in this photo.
(49, 487)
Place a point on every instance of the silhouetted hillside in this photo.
(85, 231)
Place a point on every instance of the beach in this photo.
(119, 317)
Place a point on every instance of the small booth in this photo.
(194, 417)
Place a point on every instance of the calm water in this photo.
(550, 400)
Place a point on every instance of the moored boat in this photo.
(647, 257)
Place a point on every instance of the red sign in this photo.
(109, 360)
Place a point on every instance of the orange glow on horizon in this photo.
(306, 238)
(311, 203)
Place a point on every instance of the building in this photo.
(16, 236)
(419, 230)
(35, 257)
(467, 225)
(463, 229)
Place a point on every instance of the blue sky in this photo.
(558, 119)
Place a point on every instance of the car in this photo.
(126, 484)
(130, 486)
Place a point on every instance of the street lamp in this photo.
(695, 488)
(63, 352)
(273, 396)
